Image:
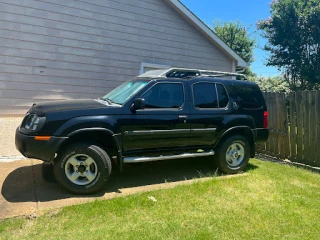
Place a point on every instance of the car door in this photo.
(209, 108)
(163, 125)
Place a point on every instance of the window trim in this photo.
(172, 109)
(226, 107)
(152, 65)
(215, 85)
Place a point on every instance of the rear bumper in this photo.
(262, 135)
(43, 150)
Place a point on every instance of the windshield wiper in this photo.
(106, 100)
(109, 101)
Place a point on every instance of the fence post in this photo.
(293, 126)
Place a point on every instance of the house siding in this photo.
(54, 50)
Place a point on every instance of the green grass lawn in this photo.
(272, 202)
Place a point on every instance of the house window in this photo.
(146, 67)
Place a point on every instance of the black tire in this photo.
(225, 164)
(102, 168)
(47, 172)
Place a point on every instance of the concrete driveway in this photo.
(24, 192)
(8, 128)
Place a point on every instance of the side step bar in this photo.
(151, 159)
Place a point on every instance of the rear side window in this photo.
(209, 95)
(249, 97)
(222, 96)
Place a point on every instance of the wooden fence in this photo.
(294, 124)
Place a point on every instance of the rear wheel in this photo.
(233, 154)
(83, 168)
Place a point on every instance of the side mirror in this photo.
(139, 103)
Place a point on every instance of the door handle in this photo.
(183, 117)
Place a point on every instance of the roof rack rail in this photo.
(187, 73)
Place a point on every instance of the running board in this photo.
(151, 159)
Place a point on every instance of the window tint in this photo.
(249, 97)
(164, 95)
(205, 95)
(222, 96)
(125, 91)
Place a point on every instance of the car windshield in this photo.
(125, 91)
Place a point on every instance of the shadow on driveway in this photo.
(133, 175)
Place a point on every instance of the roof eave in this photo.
(207, 31)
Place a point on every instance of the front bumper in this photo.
(43, 150)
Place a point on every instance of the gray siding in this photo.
(53, 49)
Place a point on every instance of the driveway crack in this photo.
(35, 186)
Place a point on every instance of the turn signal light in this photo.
(42, 138)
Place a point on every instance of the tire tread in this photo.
(105, 173)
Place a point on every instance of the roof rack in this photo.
(187, 73)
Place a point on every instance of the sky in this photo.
(246, 11)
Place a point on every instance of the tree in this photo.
(293, 33)
(236, 35)
(271, 84)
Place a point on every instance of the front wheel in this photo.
(83, 168)
(233, 154)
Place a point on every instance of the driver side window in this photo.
(164, 95)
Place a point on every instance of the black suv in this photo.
(160, 115)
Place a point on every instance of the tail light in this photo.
(265, 119)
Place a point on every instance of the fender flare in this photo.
(246, 128)
(116, 138)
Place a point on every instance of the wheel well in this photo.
(246, 132)
(101, 138)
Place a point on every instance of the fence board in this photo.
(279, 139)
(273, 149)
(299, 104)
(282, 109)
(306, 118)
(317, 154)
(285, 126)
(313, 127)
(294, 126)
(275, 126)
(268, 143)
(272, 125)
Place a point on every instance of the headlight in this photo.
(32, 122)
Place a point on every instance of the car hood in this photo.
(67, 105)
